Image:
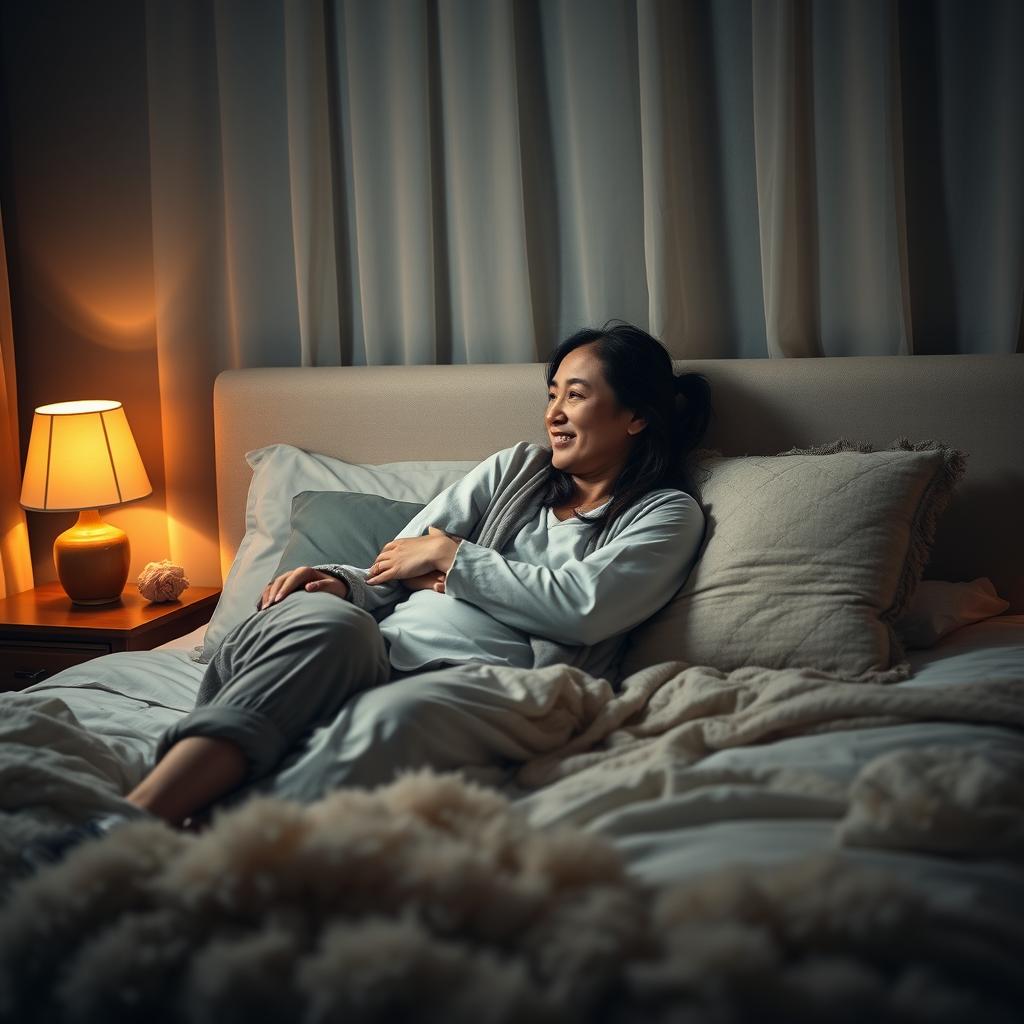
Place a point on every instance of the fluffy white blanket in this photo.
(434, 900)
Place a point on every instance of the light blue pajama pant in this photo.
(316, 660)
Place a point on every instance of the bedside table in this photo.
(42, 632)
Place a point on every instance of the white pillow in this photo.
(938, 608)
(279, 472)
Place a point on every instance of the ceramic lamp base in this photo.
(92, 560)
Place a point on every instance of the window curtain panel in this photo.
(15, 556)
(457, 181)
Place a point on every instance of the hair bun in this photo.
(695, 413)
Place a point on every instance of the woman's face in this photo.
(590, 433)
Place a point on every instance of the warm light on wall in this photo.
(82, 457)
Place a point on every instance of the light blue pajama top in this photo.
(541, 582)
(429, 628)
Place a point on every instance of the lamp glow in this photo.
(82, 457)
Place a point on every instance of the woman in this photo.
(540, 555)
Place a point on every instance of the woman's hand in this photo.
(411, 557)
(433, 580)
(311, 580)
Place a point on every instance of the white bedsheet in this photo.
(188, 641)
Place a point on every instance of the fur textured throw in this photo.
(432, 899)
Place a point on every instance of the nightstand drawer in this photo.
(23, 663)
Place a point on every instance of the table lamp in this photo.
(82, 457)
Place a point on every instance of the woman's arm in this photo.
(410, 557)
(609, 592)
(463, 501)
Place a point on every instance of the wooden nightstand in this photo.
(42, 632)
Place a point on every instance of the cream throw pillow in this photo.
(809, 558)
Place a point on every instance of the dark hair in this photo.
(639, 371)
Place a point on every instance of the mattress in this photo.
(722, 815)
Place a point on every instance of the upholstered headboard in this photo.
(762, 406)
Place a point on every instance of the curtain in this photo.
(452, 181)
(15, 556)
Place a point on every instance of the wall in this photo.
(75, 198)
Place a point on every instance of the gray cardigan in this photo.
(491, 516)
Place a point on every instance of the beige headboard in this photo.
(397, 413)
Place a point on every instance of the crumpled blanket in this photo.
(53, 772)
(598, 750)
(643, 743)
(681, 713)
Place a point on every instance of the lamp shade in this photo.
(82, 455)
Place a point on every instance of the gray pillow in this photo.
(280, 471)
(343, 527)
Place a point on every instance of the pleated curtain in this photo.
(466, 181)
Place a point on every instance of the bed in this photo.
(732, 836)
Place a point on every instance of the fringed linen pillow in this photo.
(809, 559)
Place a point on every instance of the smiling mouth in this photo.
(562, 440)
